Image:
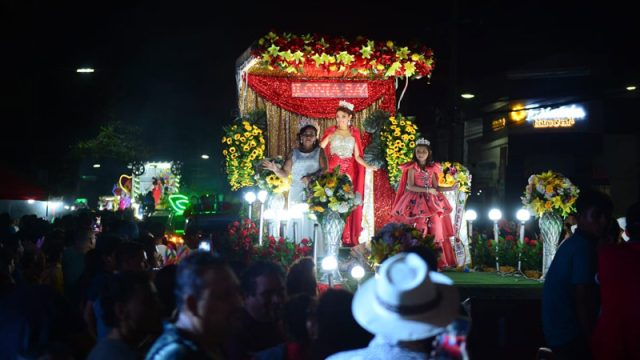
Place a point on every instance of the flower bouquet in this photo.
(244, 143)
(550, 192)
(237, 244)
(394, 238)
(454, 173)
(267, 180)
(283, 252)
(332, 191)
(398, 137)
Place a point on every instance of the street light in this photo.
(471, 216)
(96, 166)
(357, 272)
(495, 215)
(467, 96)
(204, 156)
(329, 266)
(631, 88)
(262, 197)
(30, 201)
(85, 70)
(523, 215)
(250, 197)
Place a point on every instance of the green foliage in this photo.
(374, 153)
(115, 140)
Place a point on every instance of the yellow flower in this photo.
(331, 182)
(232, 150)
(224, 152)
(346, 188)
(547, 205)
(402, 123)
(245, 148)
(412, 144)
(242, 139)
(236, 136)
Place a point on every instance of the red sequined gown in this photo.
(339, 151)
(425, 211)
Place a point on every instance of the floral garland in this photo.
(282, 251)
(398, 141)
(332, 191)
(267, 180)
(454, 173)
(394, 238)
(550, 192)
(293, 54)
(244, 143)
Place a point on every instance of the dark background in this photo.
(169, 67)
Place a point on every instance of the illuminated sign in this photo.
(329, 90)
(498, 124)
(560, 117)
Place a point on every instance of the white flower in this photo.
(343, 207)
(328, 191)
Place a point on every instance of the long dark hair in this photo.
(316, 143)
(429, 161)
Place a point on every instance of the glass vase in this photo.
(550, 228)
(332, 227)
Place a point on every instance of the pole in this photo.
(261, 223)
(315, 243)
(495, 236)
(521, 243)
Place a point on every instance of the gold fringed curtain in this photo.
(282, 125)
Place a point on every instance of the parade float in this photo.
(287, 78)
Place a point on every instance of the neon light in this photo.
(329, 90)
(498, 124)
(563, 112)
(179, 203)
(553, 123)
(518, 113)
(122, 184)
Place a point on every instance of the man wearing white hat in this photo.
(406, 305)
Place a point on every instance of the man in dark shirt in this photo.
(264, 296)
(570, 296)
(208, 300)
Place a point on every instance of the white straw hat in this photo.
(407, 302)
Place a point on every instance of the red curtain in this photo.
(277, 90)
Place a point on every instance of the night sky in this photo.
(169, 68)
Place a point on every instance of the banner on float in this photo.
(329, 90)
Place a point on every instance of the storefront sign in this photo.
(498, 124)
(560, 117)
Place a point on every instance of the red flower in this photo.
(281, 241)
(235, 223)
(510, 238)
(533, 243)
(304, 241)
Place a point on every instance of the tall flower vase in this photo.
(332, 227)
(550, 225)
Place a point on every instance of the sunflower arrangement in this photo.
(398, 137)
(244, 143)
(454, 173)
(267, 180)
(303, 54)
(332, 191)
(550, 192)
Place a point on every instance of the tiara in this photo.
(423, 141)
(346, 105)
(304, 121)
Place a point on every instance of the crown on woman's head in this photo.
(304, 121)
(423, 141)
(346, 105)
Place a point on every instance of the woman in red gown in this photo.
(343, 146)
(420, 203)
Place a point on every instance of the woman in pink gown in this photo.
(420, 203)
(343, 146)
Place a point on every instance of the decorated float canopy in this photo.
(294, 78)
